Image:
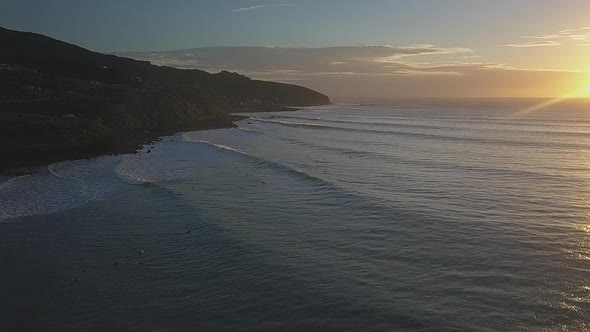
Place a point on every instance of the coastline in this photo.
(27, 160)
(60, 101)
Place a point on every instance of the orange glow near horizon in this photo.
(583, 92)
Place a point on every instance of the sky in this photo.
(368, 48)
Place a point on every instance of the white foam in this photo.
(166, 162)
(37, 193)
(220, 146)
(250, 130)
(69, 184)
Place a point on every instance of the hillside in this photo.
(62, 101)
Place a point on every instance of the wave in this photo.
(69, 184)
(85, 192)
(12, 180)
(443, 127)
(267, 163)
(431, 164)
(466, 140)
(129, 174)
(219, 146)
(250, 130)
(293, 124)
(342, 151)
(39, 193)
(58, 187)
(169, 161)
(386, 124)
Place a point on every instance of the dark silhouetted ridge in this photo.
(60, 100)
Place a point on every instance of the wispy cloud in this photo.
(245, 9)
(581, 34)
(411, 70)
(540, 43)
(372, 59)
(553, 36)
(575, 37)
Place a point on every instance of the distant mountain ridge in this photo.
(60, 101)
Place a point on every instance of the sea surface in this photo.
(466, 215)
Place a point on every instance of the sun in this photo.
(583, 92)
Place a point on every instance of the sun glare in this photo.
(583, 92)
(586, 85)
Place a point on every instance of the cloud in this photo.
(385, 59)
(554, 36)
(373, 70)
(565, 35)
(450, 81)
(540, 43)
(244, 9)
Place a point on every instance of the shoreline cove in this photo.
(267, 223)
(131, 143)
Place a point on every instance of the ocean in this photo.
(454, 215)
